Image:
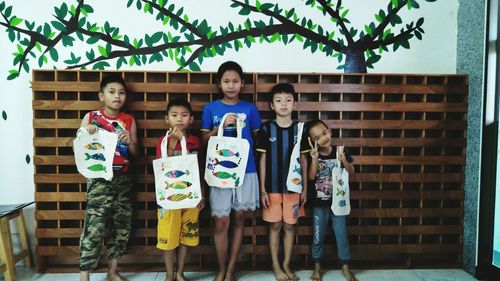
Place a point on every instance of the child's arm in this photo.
(303, 167)
(313, 169)
(262, 180)
(347, 165)
(230, 119)
(130, 139)
(91, 128)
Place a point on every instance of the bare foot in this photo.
(180, 277)
(316, 276)
(115, 277)
(291, 275)
(220, 276)
(349, 276)
(170, 278)
(280, 275)
(230, 276)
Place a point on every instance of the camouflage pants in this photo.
(108, 217)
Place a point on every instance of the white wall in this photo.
(436, 53)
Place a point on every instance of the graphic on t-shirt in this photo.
(324, 186)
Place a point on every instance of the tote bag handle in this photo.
(239, 127)
(164, 144)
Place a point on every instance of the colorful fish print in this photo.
(97, 168)
(227, 153)
(340, 192)
(176, 173)
(340, 181)
(179, 185)
(224, 175)
(179, 197)
(97, 156)
(296, 181)
(226, 164)
(94, 146)
(237, 182)
(342, 203)
(297, 170)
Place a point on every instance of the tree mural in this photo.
(188, 42)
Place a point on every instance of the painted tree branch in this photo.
(200, 40)
(335, 14)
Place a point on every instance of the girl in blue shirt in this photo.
(246, 197)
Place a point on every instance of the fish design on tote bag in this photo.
(97, 156)
(226, 164)
(178, 185)
(179, 197)
(176, 173)
(97, 167)
(94, 146)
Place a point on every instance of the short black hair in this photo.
(179, 102)
(112, 78)
(313, 123)
(283, 88)
(229, 65)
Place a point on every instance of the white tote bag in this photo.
(294, 178)
(227, 158)
(341, 206)
(94, 153)
(177, 179)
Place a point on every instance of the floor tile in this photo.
(444, 275)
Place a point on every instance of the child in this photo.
(109, 201)
(178, 229)
(246, 197)
(322, 162)
(275, 143)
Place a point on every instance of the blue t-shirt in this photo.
(247, 113)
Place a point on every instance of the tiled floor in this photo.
(363, 275)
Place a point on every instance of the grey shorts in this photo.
(243, 198)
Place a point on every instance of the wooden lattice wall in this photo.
(405, 132)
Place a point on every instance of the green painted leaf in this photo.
(344, 14)
(266, 6)
(244, 11)
(26, 66)
(28, 159)
(4, 115)
(8, 11)
(46, 30)
(2, 6)
(53, 54)
(395, 3)
(15, 21)
(194, 66)
(102, 51)
(90, 55)
(420, 22)
(93, 39)
(156, 37)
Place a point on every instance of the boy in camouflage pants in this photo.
(109, 203)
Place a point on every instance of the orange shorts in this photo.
(283, 207)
